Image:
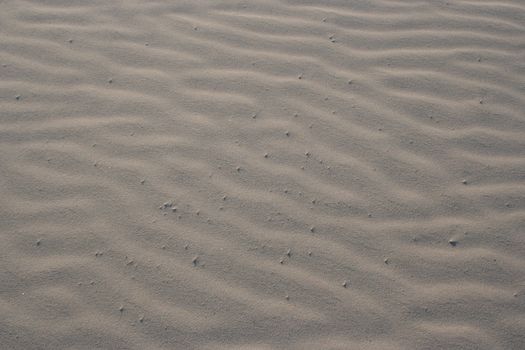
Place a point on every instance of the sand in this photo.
(270, 174)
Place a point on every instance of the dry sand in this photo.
(273, 174)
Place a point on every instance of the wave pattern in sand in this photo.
(262, 174)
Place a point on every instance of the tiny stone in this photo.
(238, 168)
(287, 297)
(281, 261)
(350, 82)
(309, 253)
(121, 308)
(312, 229)
(70, 41)
(174, 209)
(453, 242)
(266, 155)
(289, 252)
(464, 182)
(195, 261)
(186, 247)
(386, 261)
(345, 284)
(17, 97)
(141, 319)
(38, 241)
(307, 154)
(110, 81)
(142, 181)
(287, 133)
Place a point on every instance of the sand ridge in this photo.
(267, 174)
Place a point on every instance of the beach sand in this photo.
(271, 174)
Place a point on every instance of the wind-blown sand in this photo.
(273, 174)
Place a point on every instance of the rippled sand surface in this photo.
(270, 174)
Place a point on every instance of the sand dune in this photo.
(271, 174)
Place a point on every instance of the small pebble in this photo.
(121, 308)
(142, 181)
(287, 297)
(195, 261)
(312, 229)
(38, 242)
(464, 182)
(110, 81)
(386, 261)
(345, 284)
(17, 97)
(287, 133)
(453, 242)
(266, 155)
(289, 252)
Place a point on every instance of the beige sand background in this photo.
(273, 174)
